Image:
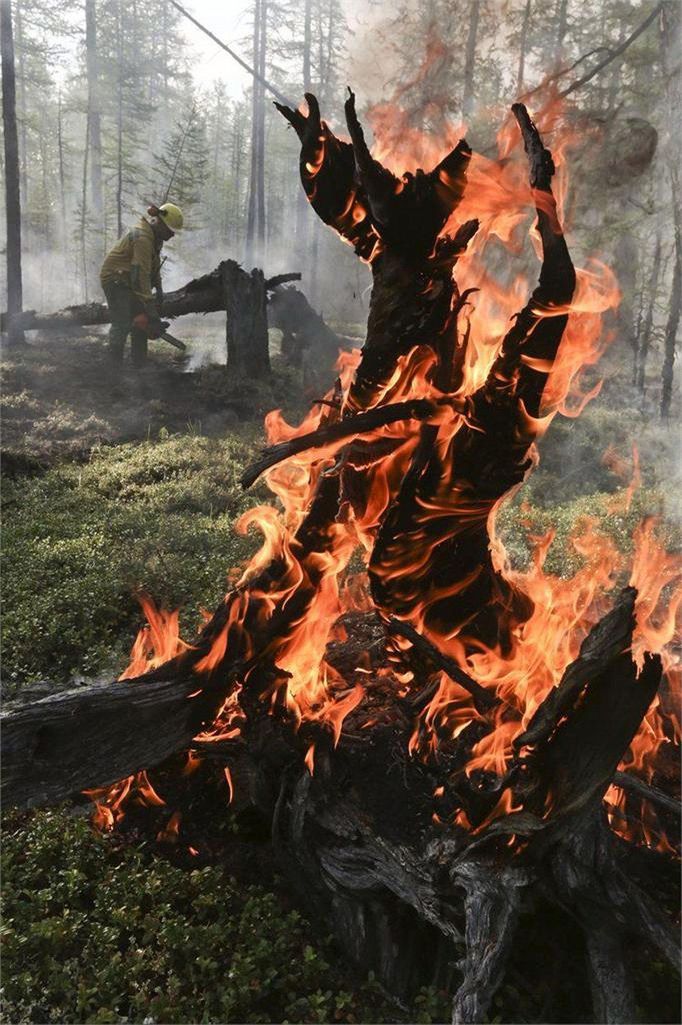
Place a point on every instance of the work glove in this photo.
(149, 323)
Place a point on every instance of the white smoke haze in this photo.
(385, 51)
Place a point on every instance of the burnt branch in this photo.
(539, 157)
(327, 167)
(350, 426)
(609, 638)
(483, 699)
(281, 279)
(654, 795)
(378, 184)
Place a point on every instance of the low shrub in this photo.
(520, 521)
(97, 931)
(79, 540)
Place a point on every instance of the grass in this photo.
(82, 538)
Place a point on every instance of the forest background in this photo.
(116, 485)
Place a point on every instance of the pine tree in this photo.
(12, 192)
(182, 168)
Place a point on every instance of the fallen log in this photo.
(95, 736)
(200, 295)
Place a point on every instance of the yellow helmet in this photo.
(172, 215)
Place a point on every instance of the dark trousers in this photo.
(123, 306)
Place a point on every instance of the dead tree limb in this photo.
(200, 295)
(329, 434)
(613, 53)
(235, 56)
(94, 736)
(634, 785)
(482, 698)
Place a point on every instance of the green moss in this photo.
(80, 540)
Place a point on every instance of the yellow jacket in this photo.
(135, 260)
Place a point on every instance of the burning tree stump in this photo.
(415, 804)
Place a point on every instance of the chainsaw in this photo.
(157, 329)
(171, 339)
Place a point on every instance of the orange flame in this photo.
(522, 672)
(230, 787)
(171, 831)
(157, 642)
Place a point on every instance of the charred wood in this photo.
(329, 434)
(482, 698)
(246, 326)
(307, 341)
(200, 295)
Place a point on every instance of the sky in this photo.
(229, 20)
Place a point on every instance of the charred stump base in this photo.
(423, 873)
(367, 835)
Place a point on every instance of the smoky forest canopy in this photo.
(115, 101)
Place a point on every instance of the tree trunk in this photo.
(245, 297)
(83, 225)
(645, 328)
(470, 59)
(12, 192)
(671, 37)
(252, 207)
(523, 43)
(260, 166)
(616, 72)
(673, 321)
(62, 181)
(302, 205)
(94, 129)
(23, 112)
(119, 122)
(235, 225)
(164, 61)
(626, 258)
(562, 20)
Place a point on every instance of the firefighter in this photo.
(130, 271)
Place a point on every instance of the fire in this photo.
(171, 831)
(157, 642)
(230, 785)
(543, 638)
(109, 801)
(657, 576)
